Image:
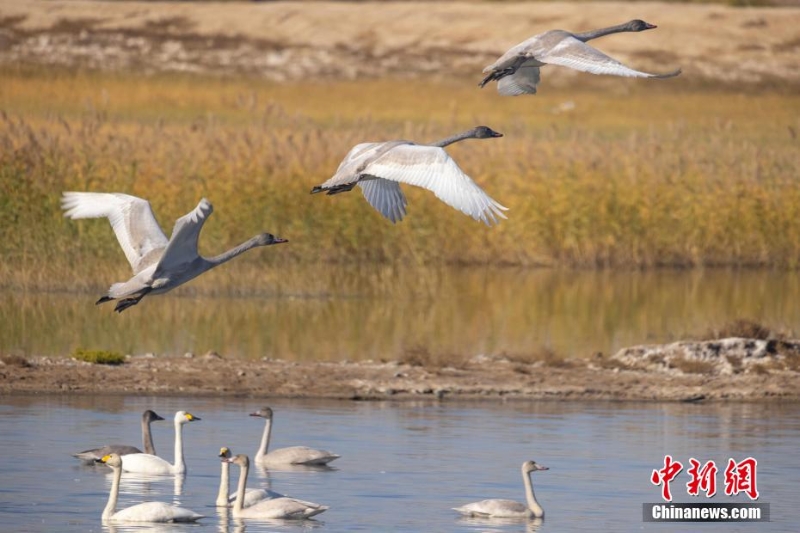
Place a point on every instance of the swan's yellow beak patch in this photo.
(191, 418)
(105, 458)
(223, 451)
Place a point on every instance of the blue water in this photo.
(403, 465)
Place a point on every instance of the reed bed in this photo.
(636, 178)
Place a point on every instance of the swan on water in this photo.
(143, 512)
(517, 71)
(293, 455)
(275, 508)
(159, 264)
(379, 168)
(251, 495)
(143, 463)
(509, 508)
(94, 455)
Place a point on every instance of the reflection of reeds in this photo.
(649, 179)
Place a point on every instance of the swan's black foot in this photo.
(496, 75)
(103, 300)
(126, 303)
(336, 189)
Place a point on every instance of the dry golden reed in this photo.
(592, 179)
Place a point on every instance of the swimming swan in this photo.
(509, 508)
(517, 71)
(293, 455)
(143, 463)
(380, 168)
(94, 455)
(159, 265)
(143, 512)
(251, 496)
(275, 508)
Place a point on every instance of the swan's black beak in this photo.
(156, 418)
(278, 240)
(496, 134)
(255, 414)
(649, 26)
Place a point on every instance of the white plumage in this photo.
(379, 169)
(498, 508)
(143, 463)
(517, 71)
(292, 455)
(143, 512)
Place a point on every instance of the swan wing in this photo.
(143, 463)
(155, 512)
(575, 54)
(253, 496)
(494, 507)
(430, 167)
(359, 157)
(299, 455)
(523, 81)
(182, 247)
(283, 508)
(385, 196)
(96, 454)
(132, 219)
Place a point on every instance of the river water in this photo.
(403, 465)
(343, 313)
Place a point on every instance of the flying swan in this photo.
(94, 455)
(159, 265)
(517, 71)
(143, 512)
(293, 455)
(380, 167)
(509, 508)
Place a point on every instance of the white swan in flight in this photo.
(292, 455)
(251, 495)
(94, 455)
(159, 264)
(275, 508)
(143, 512)
(379, 169)
(509, 508)
(517, 71)
(142, 463)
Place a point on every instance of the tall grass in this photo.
(640, 179)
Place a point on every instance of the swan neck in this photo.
(147, 438)
(533, 505)
(180, 465)
(224, 485)
(264, 447)
(454, 139)
(594, 34)
(239, 503)
(217, 260)
(111, 506)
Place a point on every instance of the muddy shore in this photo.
(480, 378)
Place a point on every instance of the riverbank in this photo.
(600, 378)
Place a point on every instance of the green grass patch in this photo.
(98, 357)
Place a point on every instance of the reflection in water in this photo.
(494, 524)
(339, 313)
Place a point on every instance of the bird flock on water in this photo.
(160, 264)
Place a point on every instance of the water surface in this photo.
(339, 313)
(403, 465)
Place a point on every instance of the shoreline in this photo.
(481, 378)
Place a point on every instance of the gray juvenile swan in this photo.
(517, 71)
(275, 508)
(94, 455)
(159, 265)
(251, 495)
(380, 168)
(293, 455)
(509, 508)
(143, 512)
